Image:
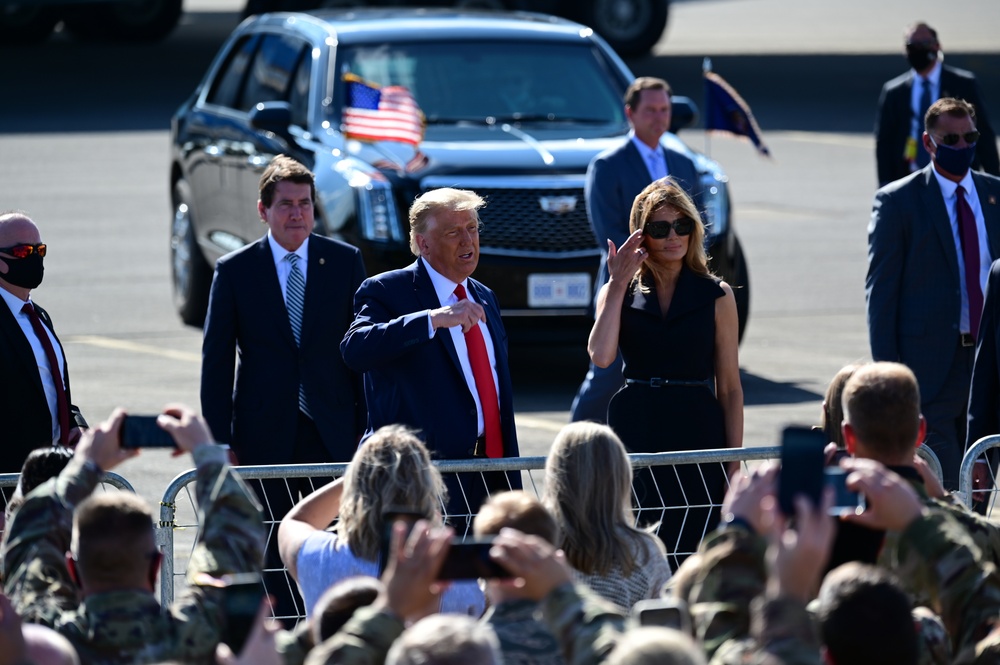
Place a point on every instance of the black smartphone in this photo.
(390, 516)
(242, 595)
(845, 501)
(802, 461)
(143, 432)
(470, 560)
(667, 612)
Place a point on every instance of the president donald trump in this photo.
(433, 349)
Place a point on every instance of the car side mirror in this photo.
(684, 113)
(274, 117)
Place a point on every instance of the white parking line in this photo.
(134, 347)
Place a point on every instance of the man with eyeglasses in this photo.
(899, 125)
(614, 178)
(931, 240)
(35, 405)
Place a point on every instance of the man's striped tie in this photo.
(295, 297)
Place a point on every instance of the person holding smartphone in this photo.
(677, 328)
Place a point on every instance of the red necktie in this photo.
(50, 353)
(969, 237)
(483, 374)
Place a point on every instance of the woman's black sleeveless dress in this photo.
(669, 404)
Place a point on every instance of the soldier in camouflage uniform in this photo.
(101, 596)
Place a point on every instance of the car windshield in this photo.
(457, 83)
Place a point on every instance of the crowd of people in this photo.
(600, 567)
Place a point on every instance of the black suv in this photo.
(516, 106)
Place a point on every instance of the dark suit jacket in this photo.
(27, 422)
(246, 313)
(984, 398)
(614, 178)
(895, 121)
(912, 287)
(417, 380)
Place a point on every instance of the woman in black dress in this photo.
(677, 328)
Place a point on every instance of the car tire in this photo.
(136, 21)
(190, 272)
(26, 24)
(631, 27)
(741, 285)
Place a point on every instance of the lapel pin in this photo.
(322, 262)
(992, 200)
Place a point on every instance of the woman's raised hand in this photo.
(625, 260)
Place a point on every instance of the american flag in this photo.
(373, 113)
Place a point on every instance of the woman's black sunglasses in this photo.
(682, 226)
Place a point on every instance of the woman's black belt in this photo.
(657, 382)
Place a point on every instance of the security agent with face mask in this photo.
(35, 404)
(899, 126)
(931, 240)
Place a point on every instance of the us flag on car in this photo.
(374, 113)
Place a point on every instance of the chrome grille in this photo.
(514, 223)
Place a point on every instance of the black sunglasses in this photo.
(24, 251)
(682, 226)
(952, 139)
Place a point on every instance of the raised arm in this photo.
(314, 513)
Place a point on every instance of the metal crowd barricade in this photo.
(965, 476)
(178, 516)
(8, 481)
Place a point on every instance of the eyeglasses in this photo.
(24, 251)
(952, 139)
(682, 226)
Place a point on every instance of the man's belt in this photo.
(657, 382)
(965, 339)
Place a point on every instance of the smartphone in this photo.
(666, 612)
(470, 560)
(845, 501)
(143, 432)
(242, 595)
(802, 461)
(390, 516)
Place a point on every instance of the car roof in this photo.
(360, 26)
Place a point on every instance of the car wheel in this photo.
(631, 27)
(192, 276)
(741, 285)
(136, 21)
(25, 24)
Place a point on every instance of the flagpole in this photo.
(706, 66)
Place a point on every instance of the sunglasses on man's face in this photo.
(682, 226)
(23, 251)
(952, 139)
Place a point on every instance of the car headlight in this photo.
(715, 198)
(378, 219)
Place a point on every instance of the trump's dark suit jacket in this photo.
(895, 121)
(912, 287)
(246, 314)
(984, 399)
(417, 380)
(614, 178)
(24, 413)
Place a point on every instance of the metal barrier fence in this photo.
(8, 481)
(179, 517)
(975, 497)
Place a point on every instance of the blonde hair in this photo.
(658, 195)
(833, 408)
(436, 200)
(391, 468)
(588, 489)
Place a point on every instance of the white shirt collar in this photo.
(13, 301)
(934, 76)
(279, 252)
(444, 287)
(948, 187)
(644, 149)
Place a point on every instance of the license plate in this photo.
(559, 290)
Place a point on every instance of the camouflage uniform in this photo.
(586, 626)
(129, 626)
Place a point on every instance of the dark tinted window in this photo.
(473, 80)
(298, 96)
(271, 71)
(226, 86)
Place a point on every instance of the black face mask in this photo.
(26, 272)
(920, 57)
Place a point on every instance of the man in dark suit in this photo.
(35, 404)
(282, 303)
(905, 99)
(614, 179)
(931, 240)
(433, 348)
(984, 397)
